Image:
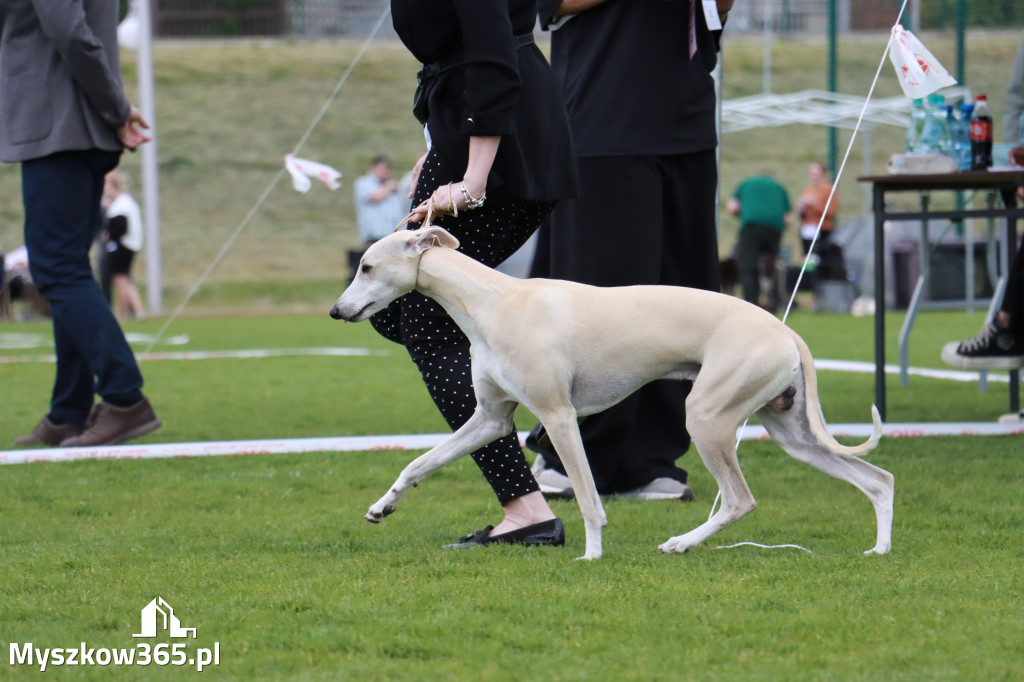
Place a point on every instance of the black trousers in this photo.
(756, 254)
(639, 220)
(440, 350)
(1013, 298)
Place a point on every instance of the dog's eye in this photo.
(365, 268)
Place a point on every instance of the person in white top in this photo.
(121, 241)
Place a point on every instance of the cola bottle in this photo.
(981, 135)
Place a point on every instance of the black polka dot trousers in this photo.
(489, 234)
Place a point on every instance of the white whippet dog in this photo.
(565, 350)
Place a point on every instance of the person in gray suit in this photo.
(65, 118)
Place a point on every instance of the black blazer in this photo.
(489, 86)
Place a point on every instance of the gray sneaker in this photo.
(552, 483)
(662, 489)
(556, 484)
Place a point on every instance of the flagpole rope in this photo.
(273, 183)
(814, 240)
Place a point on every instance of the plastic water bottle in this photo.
(962, 137)
(950, 126)
(935, 134)
(914, 130)
(981, 135)
(930, 130)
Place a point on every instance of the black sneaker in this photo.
(994, 348)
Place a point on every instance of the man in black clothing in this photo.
(641, 104)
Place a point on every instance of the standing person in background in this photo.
(641, 103)
(499, 157)
(1000, 344)
(66, 120)
(763, 207)
(122, 239)
(1013, 121)
(381, 202)
(811, 207)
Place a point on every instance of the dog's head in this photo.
(388, 270)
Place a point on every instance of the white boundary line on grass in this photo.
(852, 366)
(216, 354)
(429, 440)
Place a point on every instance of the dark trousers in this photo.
(639, 220)
(61, 194)
(756, 254)
(1013, 298)
(436, 344)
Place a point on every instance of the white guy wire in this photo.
(814, 240)
(273, 183)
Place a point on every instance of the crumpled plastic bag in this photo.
(918, 71)
(302, 170)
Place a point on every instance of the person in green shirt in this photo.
(763, 207)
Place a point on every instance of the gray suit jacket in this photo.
(60, 77)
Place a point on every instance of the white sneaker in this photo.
(1012, 418)
(662, 489)
(552, 483)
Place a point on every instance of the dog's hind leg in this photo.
(793, 434)
(718, 452)
(489, 422)
(564, 432)
(716, 406)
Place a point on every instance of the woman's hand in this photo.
(445, 200)
(457, 196)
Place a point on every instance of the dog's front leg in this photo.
(565, 436)
(481, 429)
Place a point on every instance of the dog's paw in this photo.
(376, 514)
(878, 549)
(676, 545)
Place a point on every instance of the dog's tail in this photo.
(815, 418)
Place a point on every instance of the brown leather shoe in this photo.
(110, 425)
(48, 433)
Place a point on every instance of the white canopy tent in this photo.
(817, 107)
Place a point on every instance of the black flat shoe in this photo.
(544, 533)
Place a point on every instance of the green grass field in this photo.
(268, 555)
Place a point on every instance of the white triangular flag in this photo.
(302, 170)
(918, 71)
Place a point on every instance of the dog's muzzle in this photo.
(338, 313)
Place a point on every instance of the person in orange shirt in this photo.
(811, 206)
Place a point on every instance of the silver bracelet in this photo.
(472, 203)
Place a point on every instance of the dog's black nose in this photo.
(335, 313)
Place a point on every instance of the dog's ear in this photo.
(427, 237)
